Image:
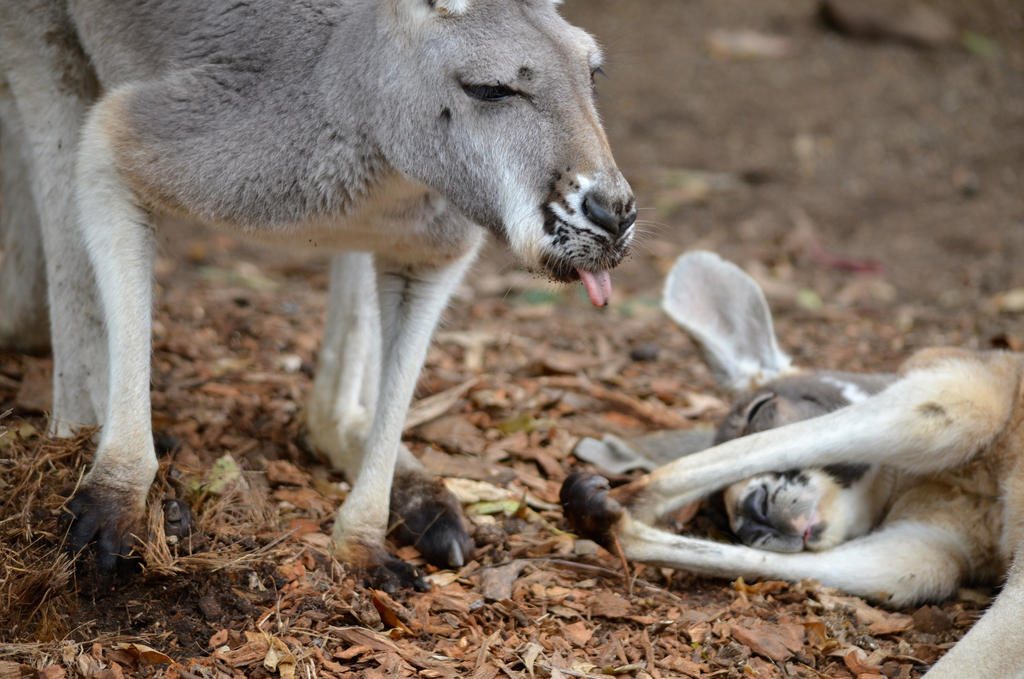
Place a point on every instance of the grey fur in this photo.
(363, 98)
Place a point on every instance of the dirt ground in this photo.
(872, 187)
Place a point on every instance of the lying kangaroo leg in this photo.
(937, 416)
(342, 406)
(875, 566)
(411, 301)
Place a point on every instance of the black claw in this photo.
(80, 522)
(392, 574)
(178, 519)
(424, 514)
(588, 507)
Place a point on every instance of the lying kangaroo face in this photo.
(811, 509)
(500, 119)
(794, 510)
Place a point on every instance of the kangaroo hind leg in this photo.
(342, 407)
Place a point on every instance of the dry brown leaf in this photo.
(284, 472)
(762, 587)
(280, 659)
(774, 641)
(388, 609)
(496, 583)
(857, 660)
(352, 652)
(305, 499)
(465, 467)
(817, 633)
(876, 620)
(359, 636)
(566, 362)
(578, 632)
(218, 639)
(530, 655)
(456, 433)
(53, 672)
(436, 405)
(35, 393)
(143, 654)
(607, 604)
(87, 665)
(745, 43)
(699, 404)
(15, 670)
(252, 652)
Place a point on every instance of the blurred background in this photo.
(872, 137)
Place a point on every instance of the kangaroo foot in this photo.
(424, 514)
(106, 519)
(378, 568)
(589, 508)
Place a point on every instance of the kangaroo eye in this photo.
(489, 92)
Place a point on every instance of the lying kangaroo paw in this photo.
(425, 515)
(589, 508)
(107, 518)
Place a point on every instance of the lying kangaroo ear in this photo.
(726, 314)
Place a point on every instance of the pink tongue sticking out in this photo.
(598, 285)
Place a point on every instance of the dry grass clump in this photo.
(35, 570)
(39, 585)
(223, 527)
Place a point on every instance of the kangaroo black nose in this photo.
(613, 219)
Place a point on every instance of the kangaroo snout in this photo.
(588, 221)
(613, 216)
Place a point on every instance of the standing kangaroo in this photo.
(391, 130)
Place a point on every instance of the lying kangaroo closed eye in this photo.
(393, 132)
(898, 488)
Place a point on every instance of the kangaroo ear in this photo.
(726, 314)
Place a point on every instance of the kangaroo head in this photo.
(725, 312)
(491, 103)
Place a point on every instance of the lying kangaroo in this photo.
(897, 488)
(391, 129)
